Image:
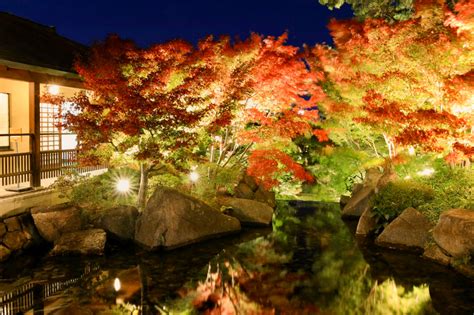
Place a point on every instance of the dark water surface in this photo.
(308, 263)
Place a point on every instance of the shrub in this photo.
(397, 196)
(453, 187)
(337, 170)
(213, 178)
(94, 193)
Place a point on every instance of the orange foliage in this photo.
(265, 165)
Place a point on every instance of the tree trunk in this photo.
(142, 191)
(390, 146)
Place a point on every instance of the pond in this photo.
(308, 263)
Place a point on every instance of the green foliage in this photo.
(94, 193)
(397, 196)
(384, 9)
(166, 180)
(337, 170)
(447, 188)
(289, 187)
(453, 186)
(214, 178)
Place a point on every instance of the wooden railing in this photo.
(56, 163)
(21, 167)
(15, 168)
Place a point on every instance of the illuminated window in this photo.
(4, 120)
(51, 135)
(49, 131)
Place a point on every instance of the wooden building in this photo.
(34, 58)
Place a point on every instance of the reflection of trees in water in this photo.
(310, 263)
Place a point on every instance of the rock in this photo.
(387, 177)
(13, 224)
(466, 269)
(343, 200)
(250, 181)
(243, 191)
(265, 196)
(14, 240)
(454, 232)
(4, 253)
(372, 177)
(434, 253)
(409, 230)
(3, 229)
(53, 221)
(172, 219)
(87, 242)
(222, 191)
(248, 212)
(29, 229)
(356, 188)
(367, 223)
(119, 222)
(359, 203)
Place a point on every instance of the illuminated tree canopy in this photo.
(382, 9)
(410, 81)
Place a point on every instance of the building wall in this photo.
(19, 111)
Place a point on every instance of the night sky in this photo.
(148, 22)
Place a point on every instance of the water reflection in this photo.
(309, 263)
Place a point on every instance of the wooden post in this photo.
(35, 130)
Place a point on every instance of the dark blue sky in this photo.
(151, 21)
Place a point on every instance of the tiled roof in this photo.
(30, 43)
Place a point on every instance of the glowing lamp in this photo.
(53, 89)
(117, 284)
(123, 185)
(193, 176)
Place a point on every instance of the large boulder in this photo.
(3, 229)
(265, 196)
(172, 219)
(5, 253)
(248, 212)
(454, 232)
(244, 191)
(366, 224)
(119, 222)
(343, 200)
(409, 230)
(372, 177)
(15, 240)
(29, 230)
(13, 224)
(360, 202)
(250, 181)
(435, 253)
(54, 221)
(87, 242)
(363, 193)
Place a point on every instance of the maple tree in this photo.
(141, 101)
(277, 105)
(151, 104)
(384, 9)
(409, 81)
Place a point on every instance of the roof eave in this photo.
(39, 69)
